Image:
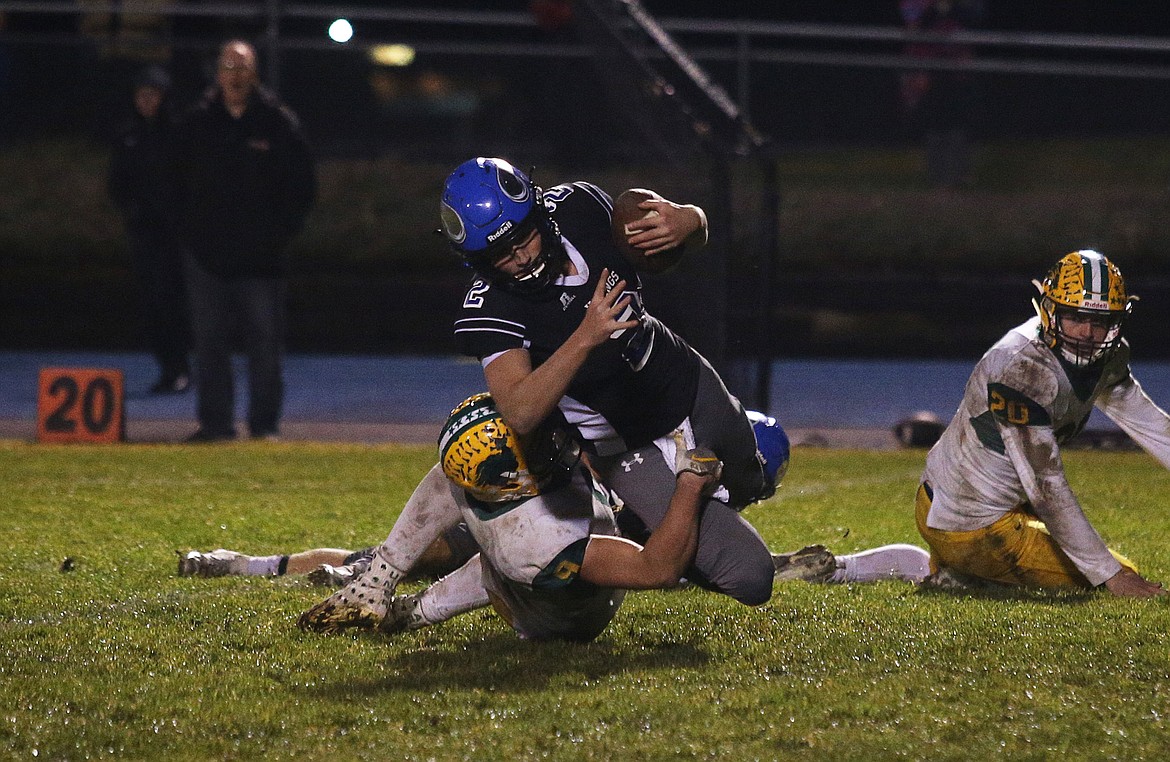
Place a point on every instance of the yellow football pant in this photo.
(1015, 550)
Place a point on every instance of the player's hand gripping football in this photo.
(665, 225)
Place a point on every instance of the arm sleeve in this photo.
(1036, 456)
(118, 180)
(300, 191)
(478, 333)
(1137, 415)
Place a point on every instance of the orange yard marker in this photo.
(80, 405)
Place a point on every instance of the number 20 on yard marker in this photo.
(80, 405)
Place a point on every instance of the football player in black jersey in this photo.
(556, 317)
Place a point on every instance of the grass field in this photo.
(119, 658)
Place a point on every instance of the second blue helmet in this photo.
(772, 442)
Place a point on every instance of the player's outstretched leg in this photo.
(429, 512)
(902, 562)
(815, 563)
(812, 563)
(459, 592)
(217, 563)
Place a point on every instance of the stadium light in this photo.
(341, 31)
(392, 55)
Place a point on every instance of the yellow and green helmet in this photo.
(481, 453)
(1087, 284)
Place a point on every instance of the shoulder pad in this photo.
(1028, 367)
(579, 192)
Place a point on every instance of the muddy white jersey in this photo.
(1002, 448)
(539, 542)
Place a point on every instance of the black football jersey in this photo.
(637, 386)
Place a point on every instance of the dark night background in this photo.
(60, 88)
(1071, 16)
(451, 103)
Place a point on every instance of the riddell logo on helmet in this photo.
(501, 232)
(1095, 304)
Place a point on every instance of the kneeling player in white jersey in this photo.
(995, 504)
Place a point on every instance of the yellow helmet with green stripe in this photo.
(1084, 287)
(482, 454)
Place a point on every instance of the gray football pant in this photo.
(732, 558)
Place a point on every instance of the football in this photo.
(625, 211)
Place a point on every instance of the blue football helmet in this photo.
(488, 206)
(772, 443)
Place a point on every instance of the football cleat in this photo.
(953, 581)
(813, 563)
(358, 605)
(405, 614)
(336, 576)
(217, 563)
(361, 604)
(327, 575)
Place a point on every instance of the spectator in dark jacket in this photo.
(247, 182)
(141, 185)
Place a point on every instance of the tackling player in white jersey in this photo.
(551, 561)
(472, 500)
(995, 503)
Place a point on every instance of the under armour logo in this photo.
(629, 464)
(566, 300)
